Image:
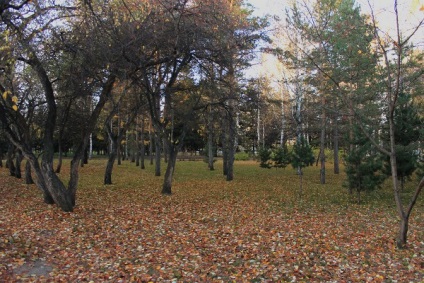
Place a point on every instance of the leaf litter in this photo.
(207, 231)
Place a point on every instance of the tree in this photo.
(302, 157)
(394, 53)
(27, 26)
(264, 157)
(363, 165)
(407, 137)
(281, 157)
(121, 117)
(365, 65)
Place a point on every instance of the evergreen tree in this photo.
(265, 156)
(407, 136)
(281, 157)
(363, 165)
(302, 157)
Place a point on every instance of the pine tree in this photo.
(281, 157)
(407, 136)
(363, 165)
(265, 156)
(302, 157)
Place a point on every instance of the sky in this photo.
(409, 14)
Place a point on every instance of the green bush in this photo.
(242, 156)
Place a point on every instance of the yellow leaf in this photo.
(5, 94)
(14, 107)
(15, 99)
(422, 8)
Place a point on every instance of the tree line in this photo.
(133, 78)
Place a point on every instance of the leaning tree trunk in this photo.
(18, 169)
(109, 168)
(39, 181)
(9, 160)
(56, 188)
(59, 164)
(170, 168)
(28, 176)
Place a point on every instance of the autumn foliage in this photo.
(253, 229)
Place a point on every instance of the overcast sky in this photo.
(409, 11)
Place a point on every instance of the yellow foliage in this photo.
(6, 93)
(15, 99)
(14, 107)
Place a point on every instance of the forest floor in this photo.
(254, 229)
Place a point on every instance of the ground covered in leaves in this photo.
(253, 229)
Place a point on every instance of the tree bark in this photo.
(403, 233)
(142, 148)
(170, 168)
(336, 145)
(18, 165)
(322, 140)
(59, 164)
(119, 154)
(224, 148)
(28, 175)
(157, 154)
(109, 168)
(231, 146)
(9, 160)
(210, 141)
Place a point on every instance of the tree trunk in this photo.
(150, 143)
(137, 145)
(142, 148)
(157, 155)
(165, 149)
(18, 169)
(403, 233)
(404, 217)
(28, 175)
(224, 148)
(170, 168)
(210, 141)
(59, 164)
(336, 145)
(9, 160)
(85, 157)
(231, 146)
(109, 168)
(39, 181)
(119, 154)
(58, 191)
(322, 158)
(322, 142)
